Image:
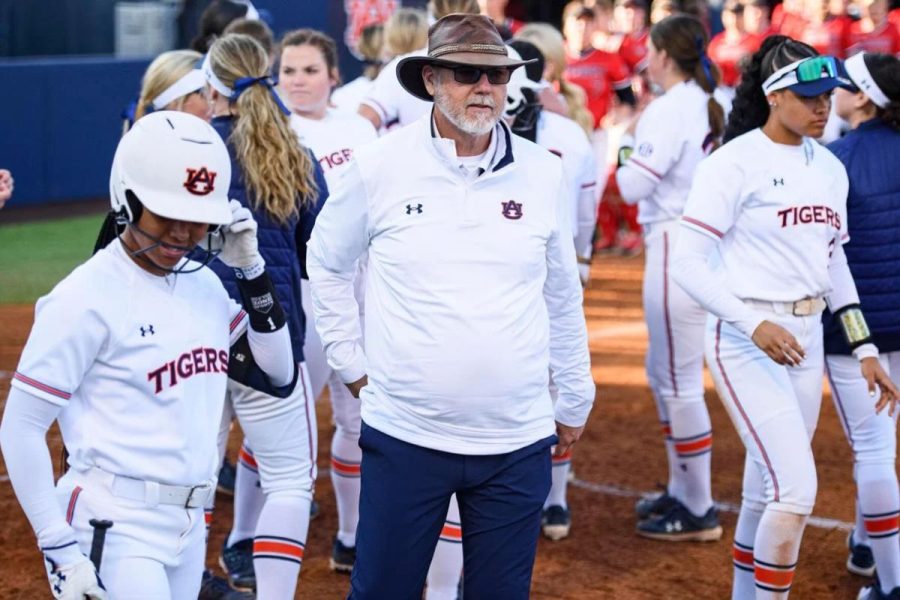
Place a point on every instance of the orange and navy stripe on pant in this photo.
(882, 525)
(278, 548)
(773, 578)
(246, 458)
(694, 445)
(743, 557)
(562, 459)
(344, 468)
(452, 532)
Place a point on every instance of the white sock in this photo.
(743, 586)
(692, 441)
(559, 477)
(671, 456)
(879, 502)
(248, 497)
(775, 553)
(447, 563)
(279, 544)
(345, 460)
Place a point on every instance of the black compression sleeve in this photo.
(261, 303)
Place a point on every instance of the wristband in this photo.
(251, 272)
(853, 324)
(261, 303)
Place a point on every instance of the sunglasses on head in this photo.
(469, 75)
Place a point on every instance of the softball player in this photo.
(566, 139)
(868, 153)
(371, 42)
(672, 136)
(130, 353)
(308, 73)
(284, 188)
(771, 206)
(173, 81)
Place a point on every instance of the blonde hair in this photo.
(275, 168)
(371, 42)
(405, 31)
(165, 70)
(550, 42)
(442, 8)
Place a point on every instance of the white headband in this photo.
(861, 78)
(191, 81)
(213, 79)
(783, 78)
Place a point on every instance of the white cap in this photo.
(176, 165)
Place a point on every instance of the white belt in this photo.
(151, 492)
(800, 308)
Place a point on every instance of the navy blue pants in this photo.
(404, 496)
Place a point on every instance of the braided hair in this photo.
(751, 109)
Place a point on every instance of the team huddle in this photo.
(418, 241)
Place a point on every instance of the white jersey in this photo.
(671, 139)
(565, 138)
(395, 105)
(139, 364)
(349, 96)
(333, 139)
(776, 209)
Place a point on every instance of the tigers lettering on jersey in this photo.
(802, 215)
(335, 159)
(193, 362)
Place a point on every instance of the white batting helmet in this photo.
(175, 165)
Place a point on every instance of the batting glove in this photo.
(75, 581)
(240, 250)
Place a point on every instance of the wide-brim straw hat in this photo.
(457, 39)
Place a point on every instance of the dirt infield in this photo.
(620, 456)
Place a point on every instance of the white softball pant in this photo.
(152, 551)
(282, 434)
(675, 322)
(774, 409)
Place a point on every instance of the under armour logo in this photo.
(410, 208)
(512, 209)
(147, 330)
(674, 526)
(200, 181)
(777, 181)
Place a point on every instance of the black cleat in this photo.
(342, 557)
(654, 506)
(556, 521)
(679, 525)
(227, 475)
(237, 562)
(860, 561)
(216, 588)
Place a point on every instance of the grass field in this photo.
(36, 256)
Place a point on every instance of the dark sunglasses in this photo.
(470, 75)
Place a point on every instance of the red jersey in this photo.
(728, 54)
(894, 17)
(757, 38)
(599, 73)
(788, 23)
(829, 37)
(885, 38)
(634, 50)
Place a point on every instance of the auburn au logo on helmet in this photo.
(200, 182)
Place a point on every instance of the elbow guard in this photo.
(853, 324)
(260, 302)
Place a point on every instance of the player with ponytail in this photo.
(284, 187)
(869, 152)
(672, 136)
(761, 249)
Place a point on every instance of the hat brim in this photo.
(409, 70)
(211, 210)
(820, 86)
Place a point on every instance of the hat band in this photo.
(213, 79)
(861, 78)
(475, 48)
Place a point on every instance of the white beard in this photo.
(479, 125)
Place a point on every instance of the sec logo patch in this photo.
(645, 149)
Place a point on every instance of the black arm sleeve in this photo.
(626, 96)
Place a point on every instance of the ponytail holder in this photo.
(705, 62)
(244, 83)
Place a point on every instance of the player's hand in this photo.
(75, 581)
(356, 387)
(240, 249)
(875, 376)
(567, 438)
(778, 343)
